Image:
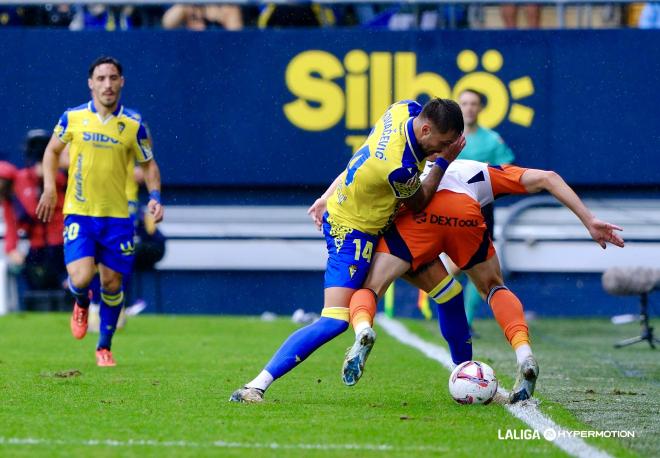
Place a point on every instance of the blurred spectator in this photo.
(102, 17)
(376, 16)
(302, 15)
(510, 15)
(203, 17)
(48, 15)
(11, 16)
(149, 16)
(482, 144)
(7, 176)
(407, 17)
(44, 264)
(650, 16)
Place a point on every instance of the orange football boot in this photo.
(79, 321)
(104, 358)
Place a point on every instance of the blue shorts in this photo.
(108, 240)
(349, 255)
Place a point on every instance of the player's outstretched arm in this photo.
(602, 232)
(48, 200)
(429, 186)
(152, 179)
(319, 206)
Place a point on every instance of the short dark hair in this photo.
(482, 98)
(105, 60)
(444, 114)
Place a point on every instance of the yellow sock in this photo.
(520, 338)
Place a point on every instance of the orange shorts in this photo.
(452, 223)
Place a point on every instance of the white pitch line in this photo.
(528, 413)
(31, 441)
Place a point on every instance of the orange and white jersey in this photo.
(483, 182)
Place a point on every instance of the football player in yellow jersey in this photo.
(381, 176)
(103, 137)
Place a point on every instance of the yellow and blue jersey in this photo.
(101, 152)
(383, 171)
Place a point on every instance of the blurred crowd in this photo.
(394, 16)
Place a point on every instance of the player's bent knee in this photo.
(112, 284)
(110, 280)
(81, 277)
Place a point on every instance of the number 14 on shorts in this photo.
(366, 252)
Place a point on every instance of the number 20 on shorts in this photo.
(71, 231)
(366, 253)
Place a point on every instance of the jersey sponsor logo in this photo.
(420, 217)
(99, 138)
(358, 87)
(127, 248)
(442, 220)
(79, 180)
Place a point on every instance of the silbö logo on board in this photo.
(373, 81)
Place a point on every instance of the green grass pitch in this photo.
(168, 395)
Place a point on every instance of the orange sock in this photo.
(363, 307)
(508, 311)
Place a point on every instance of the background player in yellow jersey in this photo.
(103, 137)
(361, 202)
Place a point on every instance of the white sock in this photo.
(522, 352)
(361, 326)
(262, 381)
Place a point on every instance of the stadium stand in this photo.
(424, 14)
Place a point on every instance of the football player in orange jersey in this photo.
(453, 223)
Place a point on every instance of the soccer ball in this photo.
(473, 382)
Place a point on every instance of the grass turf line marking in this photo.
(528, 413)
(218, 444)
